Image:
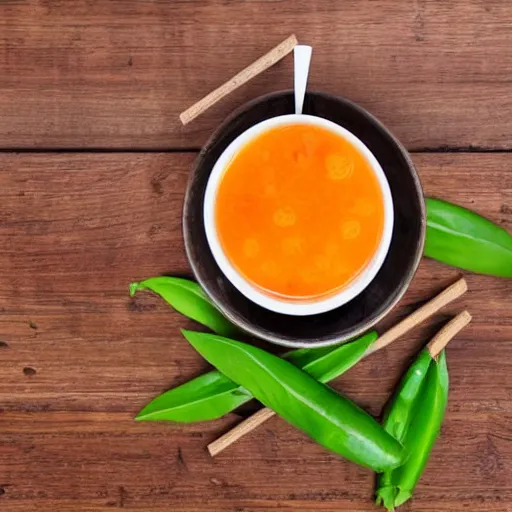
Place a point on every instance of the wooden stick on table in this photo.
(441, 339)
(420, 315)
(417, 317)
(263, 63)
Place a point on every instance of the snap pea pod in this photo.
(398, 415)
(188, 298)
(464, 239)
(326, 363)
(332, 420)
(207, 397)
(212, 395)
(397, 418)
(422, 420)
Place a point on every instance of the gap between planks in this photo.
(51, 150)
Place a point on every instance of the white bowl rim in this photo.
(303, 307)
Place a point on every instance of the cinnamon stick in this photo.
(258, 66)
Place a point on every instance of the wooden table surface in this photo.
(93, 167)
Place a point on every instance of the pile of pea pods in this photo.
(294, 385)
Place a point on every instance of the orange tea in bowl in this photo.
(299, 213)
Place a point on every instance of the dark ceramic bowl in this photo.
(392, 280)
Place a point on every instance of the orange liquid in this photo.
(299, 212)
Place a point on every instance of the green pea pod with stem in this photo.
(424, 429)
(428, 409)
(464, 239)
(397, 418)
(188, 298)
(212, 395)
(332, 420)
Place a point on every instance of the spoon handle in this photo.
(301, 58)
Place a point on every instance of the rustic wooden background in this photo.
(93, 166)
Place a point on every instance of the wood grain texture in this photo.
(92, 73)
(79, 358)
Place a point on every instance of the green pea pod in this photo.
(424, 429)
(327, 363)
(187, 298)
(398, 415)
(427, 416)
(461, 238)
(212, 395)
(332, 420)
(397, 419)
(204, 398)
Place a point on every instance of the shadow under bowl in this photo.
(393, 278)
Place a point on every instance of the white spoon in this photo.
(301, 60)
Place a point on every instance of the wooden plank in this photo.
(108, 460)
(90, 73)
(79, 358)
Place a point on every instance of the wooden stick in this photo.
(414, 319)
(420, 315)
(441, 339)
(260, 65)
(240, 430)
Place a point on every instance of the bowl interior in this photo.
(286, 305)
(396, 272)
